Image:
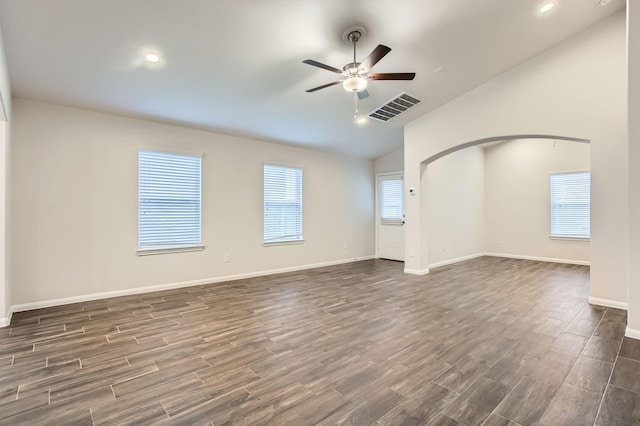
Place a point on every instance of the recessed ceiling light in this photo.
(603, 2)
(547, 7)
(152, 57)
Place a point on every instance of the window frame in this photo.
(168, 247)
(558, 236)
(280, 242)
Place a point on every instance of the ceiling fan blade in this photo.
(323, 86)
(321, 65)
(375, 56)
(363, 94)
(393, 76)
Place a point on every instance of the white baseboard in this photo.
(416, 271)
(170, 286)
(540, 259)
(632, 333)
(608, 303)
(5, 321)
(510, 256)
(456, 260)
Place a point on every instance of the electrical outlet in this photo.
(344, 246)
(227, 258)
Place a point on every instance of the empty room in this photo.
(320, 213)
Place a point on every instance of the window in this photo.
(282, 204)
(570, 205)
(169, 216)
(391, 194)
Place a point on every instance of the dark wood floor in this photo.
(488, 341)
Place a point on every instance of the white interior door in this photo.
(390, 215)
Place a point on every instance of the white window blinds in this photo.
(168, 201)
(282, 204)
(391, 194)
(570, 205)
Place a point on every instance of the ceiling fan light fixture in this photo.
(354, 83)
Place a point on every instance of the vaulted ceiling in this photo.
(235, 67)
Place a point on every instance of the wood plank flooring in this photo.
(488, 341)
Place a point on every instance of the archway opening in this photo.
(491, 196)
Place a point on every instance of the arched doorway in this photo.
(473, 203)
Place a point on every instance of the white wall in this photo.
(633, 40)
(577, 89)
(392, 162)
(454, 189)
(517, 218)
(5, 193)
(75, 205)
(5, 292)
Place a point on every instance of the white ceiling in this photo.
(235, 67)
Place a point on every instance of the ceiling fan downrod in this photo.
(354, 36)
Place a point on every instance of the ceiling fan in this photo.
(358, 74)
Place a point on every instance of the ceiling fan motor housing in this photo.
(353, 68)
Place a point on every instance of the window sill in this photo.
(151, 252)
(558, 237)
(282, 243)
